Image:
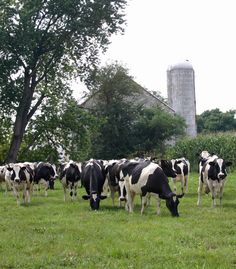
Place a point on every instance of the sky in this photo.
(160, 33)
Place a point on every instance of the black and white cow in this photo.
(213, 175)
(93, 178)
(21, 178)
(182, 168)
(148, 177)
(45, 174)
(70, 177)
(127, 167)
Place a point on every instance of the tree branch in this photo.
(34, 108)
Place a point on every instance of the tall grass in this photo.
(51, 233)
(221, 144)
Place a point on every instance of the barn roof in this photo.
(140, 97)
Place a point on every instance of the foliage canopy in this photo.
(43, 44)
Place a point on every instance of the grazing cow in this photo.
(182, 168)
(70, 176)
(148, 177)
(21, 178)
(93, 178)
(45, 173)
(127, 167)
(213, 175)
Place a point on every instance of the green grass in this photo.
(51, 233)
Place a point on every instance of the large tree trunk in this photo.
(18, 133)
(22, 117)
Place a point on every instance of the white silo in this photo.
(181, 93)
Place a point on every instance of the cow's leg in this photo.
(221, 194)
(17, 195)
(200, 186)
(64, 190)
(213, 197)
(174, 185)
(182, 183)
(113, 197)
(130, 198)
(213, 192)
(131, 208)
(148, 199)
(71, 190)
(75, 190)
(158, 205)
(129, 202)
(143, 202)
(46, 187)
(186, 178)
(28, 194)
(25, 198)
(29, 197)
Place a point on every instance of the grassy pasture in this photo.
(51, 233)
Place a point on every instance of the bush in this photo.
(221, 144)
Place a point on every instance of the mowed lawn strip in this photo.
(51, 233)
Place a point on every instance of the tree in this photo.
(5, 135)
(216, 121)
(45, 43)
(59, 128)
(154, 128)
(114, 88)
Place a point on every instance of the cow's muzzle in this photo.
(122, 199)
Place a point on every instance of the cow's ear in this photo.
(179, 161)
(211, 163)
(162, 162)
(86, 197)
(228, 163)
(102, 197)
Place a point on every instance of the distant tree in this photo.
(60, 128)
(216, 121)
(115, 88)
(154, 128)
(43, 44)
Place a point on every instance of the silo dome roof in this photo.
(181, 65)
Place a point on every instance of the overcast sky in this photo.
(160, 33)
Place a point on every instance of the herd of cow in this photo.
(140, 176)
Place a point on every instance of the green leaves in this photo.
(216, 121)
(44, 44)
(155, 127)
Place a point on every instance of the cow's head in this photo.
(52, 171)
(122, 190)
(218, 168)
(17, 173)
(94, 200)
(168, 168)
(172, 203)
